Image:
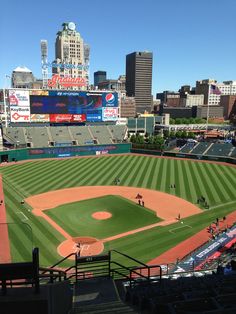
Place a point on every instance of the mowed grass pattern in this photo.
(76, 218)
(192, 179)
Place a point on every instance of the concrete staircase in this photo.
(98, 296)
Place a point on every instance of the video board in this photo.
(63, 106)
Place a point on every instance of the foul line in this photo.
(172, 230)
(220, 205)
(25, 217)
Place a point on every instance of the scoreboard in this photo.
(62, 106)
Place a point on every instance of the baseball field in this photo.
(70, 201)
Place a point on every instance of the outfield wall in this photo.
(63, 152)
(229, 160)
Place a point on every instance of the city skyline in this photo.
(189, 41)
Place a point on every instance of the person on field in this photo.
(78, 249)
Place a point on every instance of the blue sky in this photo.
(190, 39)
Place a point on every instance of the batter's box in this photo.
(85, 247)
(180, 228)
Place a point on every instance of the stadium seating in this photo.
(185, 295)
(233, 152)
(201, 148)
(37, 137)
(15, 136)
(187, 148)
(220, 149)
(45, 136)
(81, 135)
(118, 132)
(101, 134)
(61, 136)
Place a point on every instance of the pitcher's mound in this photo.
(101, 215)
(84, 246)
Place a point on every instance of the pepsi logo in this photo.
(110, 98)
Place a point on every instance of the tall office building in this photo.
(72, 54)
(139, 79)
(99, 76)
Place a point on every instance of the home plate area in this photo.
(83, 246)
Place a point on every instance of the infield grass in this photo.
(76, 218)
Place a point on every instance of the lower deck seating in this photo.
(220, 149)
(185, 295)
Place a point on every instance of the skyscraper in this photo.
(71, 53)
(139, 79)
(99, 76)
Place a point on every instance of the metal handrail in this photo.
(129, 257)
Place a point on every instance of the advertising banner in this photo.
(109, 114)
(94, 117)
(66, 93)
(57, 118)
(19, 98)
(109, 99)
(20, 114)
(38, 92)
(79, 117)
(39, 118)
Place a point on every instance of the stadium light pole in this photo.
(4, 99)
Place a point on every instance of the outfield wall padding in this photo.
(62, 152)
(229, 160)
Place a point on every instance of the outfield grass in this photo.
(192, 179)
(76, 218)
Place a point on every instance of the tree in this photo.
(133, 138)
(166, 133)
(178, 134)
(178, 121)
(191, 135)
(139, 139)
(191, 120)
(159, 141)
(184, 134)
(185, 121)
(172, 134)
(151, 139)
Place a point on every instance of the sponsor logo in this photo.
(110, 98)
(16, 116)
(21, 109)
(66, 81)
(19, 98)
(13, 100)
